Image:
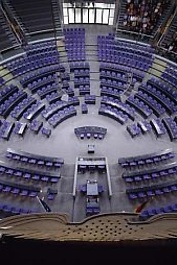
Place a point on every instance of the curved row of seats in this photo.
(34, 159)
(62, 115)
(106, 90)
(114, 102)
(158, 94)
(88, 132)
(19, 189)
(14, 210)
(156, 107)
(147, 213)
(53, 108)
(11, 102)
(28, 174)
(114, 113)
(156, 173)
(140, 106)
(152, 190)
(40, 73)
(146, 159)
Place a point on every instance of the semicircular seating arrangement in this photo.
(40, 89)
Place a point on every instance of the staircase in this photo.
(56, 6)
(10, 35)
(122, 12)
(18, 20)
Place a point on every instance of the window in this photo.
(85, 15)
(100, 13)
(91, 15)
(71, 15)
(78, 15)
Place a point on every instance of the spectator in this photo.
(142, 15)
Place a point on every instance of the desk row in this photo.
(146, 159)
(30, 158)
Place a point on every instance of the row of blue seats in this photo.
(34, 110)
(41, 82)
(78, 81)
(32, 65)
(34, 159)
(145, 126)
(76, 57)
(79, 65)
(152, 174)
(36, 48)
(6, 92)
(19, 189)
(19, 110)
(169, 91)
(62, 115)
(163, 99)
(19, 128)
(49, 111)
(138, 75)
(10, 103)
(84, 90)
(144, 49)
(140, 106)
(14, 210)
(73, 31)
(90, 99)
(90, 132)
(91, 168)
(147, 213)
(113, 113)
(28, 174)
(107, 90)
(156, 107)
(40, 73)
(137, 64)
(114, 102)
(47, 90)
(114, 83)
(82, 72)
(48, 54)
(171, 127)
(153, 190)
(117, 76)
(104, 52)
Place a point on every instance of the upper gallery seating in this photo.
(144, 16)
(34, 15)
